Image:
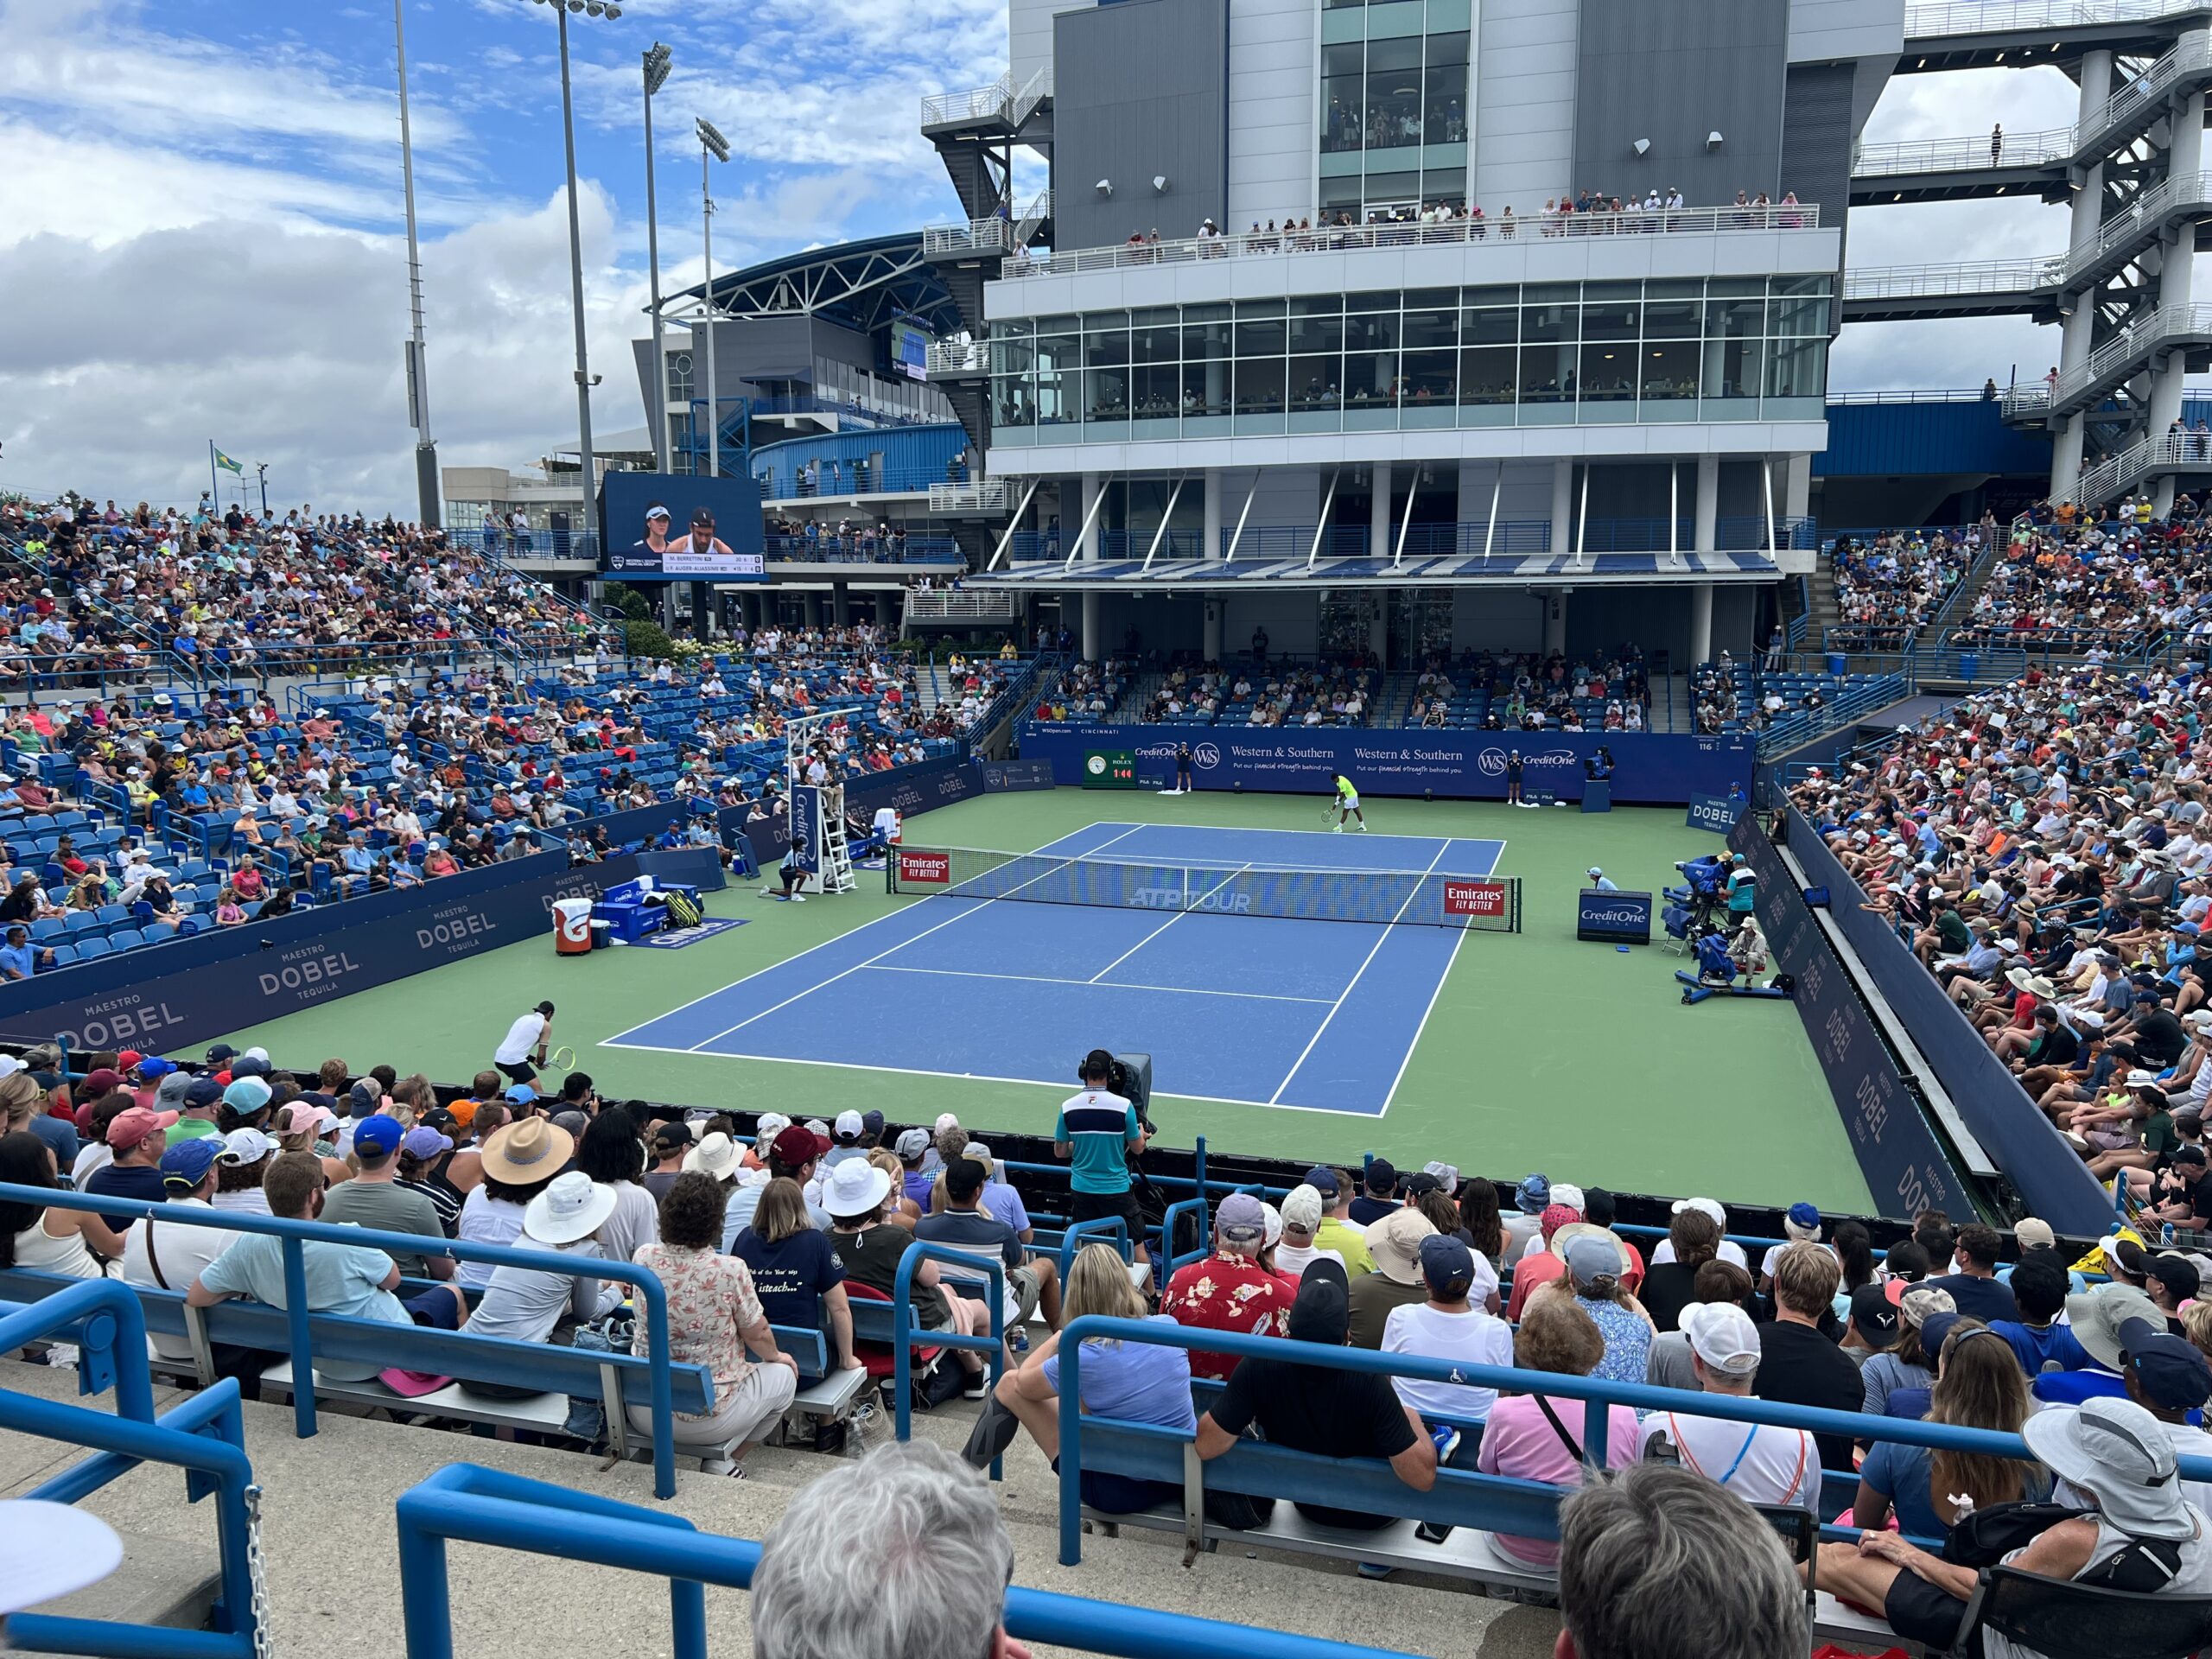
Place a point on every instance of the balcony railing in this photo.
(2001, 16)
(984, 495)
(1964, 279)
(1505, 228)
(962, 605)
(1001, 99)
(958, 357)
(1962, 155)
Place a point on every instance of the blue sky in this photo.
(200, 220)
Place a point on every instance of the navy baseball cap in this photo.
(1323, 1180)
(1447, 1265)
(185, 1165)
(379, 1134)
(204, 1091)
(2172, 1375)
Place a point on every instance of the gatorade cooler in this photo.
(571, 927)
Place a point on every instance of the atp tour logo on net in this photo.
(1229, 903)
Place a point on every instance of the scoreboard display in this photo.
(1110, 769)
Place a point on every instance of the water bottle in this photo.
(2166, 1234)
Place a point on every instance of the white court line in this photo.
(974, 1077)
(1111, 985)
(1276, 1098)
(1163, 927)
(874, 921)
(823, 984)
(1412, 1043)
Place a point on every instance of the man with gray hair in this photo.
(1637, 1550)
(936, 1554)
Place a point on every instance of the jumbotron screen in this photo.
(675, 527)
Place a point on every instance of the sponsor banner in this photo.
(1112, 768)
(1647, 767)
(675, 938)
(1714, 812)
(1898, 1152)
(1474, 898)
(2049, 1175)
(1612, 918)
(806, 812)
(296, 962)
(999, 776)
(923, 869)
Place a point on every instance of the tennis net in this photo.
(1430, 898)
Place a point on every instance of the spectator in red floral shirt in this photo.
(1230, 1290)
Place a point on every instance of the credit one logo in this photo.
(1633, 915)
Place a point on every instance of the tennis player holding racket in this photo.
(1347, 803)
(524, 1051)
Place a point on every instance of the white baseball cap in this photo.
(1722, 1335)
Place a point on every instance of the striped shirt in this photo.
(1099, 1128)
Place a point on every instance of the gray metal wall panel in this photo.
(1141, 90)
(1673, 73)
(1816, 133)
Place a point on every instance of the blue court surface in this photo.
(1310, 1015)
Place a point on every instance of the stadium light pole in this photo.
(594, 8)
(713, 147)
(655, 73)
(426, 489)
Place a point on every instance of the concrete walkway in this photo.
(332, 1554)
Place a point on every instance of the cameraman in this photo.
(1097, 1131)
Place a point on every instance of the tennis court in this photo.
(1237, 1004)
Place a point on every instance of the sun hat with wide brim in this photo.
(716, 1155)
(1563, 1240)
(2118, 1452)
(574, 1206)
(856, 1187)
(54, 1549)
(2097, 1315)
(530, 1151)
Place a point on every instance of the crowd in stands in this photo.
(1889, 588)
(232, 593)
(2044, 849)
(1954, 1325)
(2117, 581)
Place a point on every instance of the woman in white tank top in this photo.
(74, 1244)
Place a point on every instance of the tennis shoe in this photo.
(1339, 830)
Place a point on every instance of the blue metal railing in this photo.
(1350, 1477)
(489, 1509)
(205, 1436)
(1854, 703)
(296, 1234)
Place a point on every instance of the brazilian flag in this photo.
(228, 465)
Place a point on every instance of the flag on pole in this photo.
(228, 465)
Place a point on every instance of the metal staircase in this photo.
(2132, 166)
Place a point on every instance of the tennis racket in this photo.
(1329, 809)
(562, 1059)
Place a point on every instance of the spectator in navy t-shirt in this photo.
(1378, 1196)
(796, 1275)
(137, 1139)
(1974, 1289)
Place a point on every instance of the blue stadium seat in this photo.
(90, 948)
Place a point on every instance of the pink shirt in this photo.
(1518, 1440)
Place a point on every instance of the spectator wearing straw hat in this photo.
(1396, 1243)
(519, 1161)
(531, 1305)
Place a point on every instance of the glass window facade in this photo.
(1534, 354)
(1395, 104)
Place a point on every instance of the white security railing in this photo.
(963, 605)
(984, 495)
(1962, 155)
(1536, 227)
(1923, 23)
(2025, 401)
(1938, 281)
(1038, 210)
(986, 236)
(958, 357)
(2187, 196)
(2168, 452)
(2144, 99)
(1001, 99)
(2137, 339)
